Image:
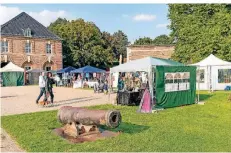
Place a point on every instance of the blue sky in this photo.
(136, 20)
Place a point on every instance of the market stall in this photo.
(151, 74)
(12, 75)
(213, 73)
(64, 77)
(87, 76)
(33, 76)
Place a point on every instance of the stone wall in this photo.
(137, 52)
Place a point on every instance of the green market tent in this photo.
(175, 86)
(12, 75)
(180, 91)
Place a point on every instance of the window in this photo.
(224, 75)
(201, 76)
(48, 48)
(27, 68)
(27, 32)
(28, 47)
(48, 68)
(177, 81)
(4, 46)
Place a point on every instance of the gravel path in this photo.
(7, 144)
(20, 100)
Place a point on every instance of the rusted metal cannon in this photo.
(80, 122)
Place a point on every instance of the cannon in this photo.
(81, 122)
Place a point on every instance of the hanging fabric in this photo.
(146, 103)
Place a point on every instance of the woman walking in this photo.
(49, 86)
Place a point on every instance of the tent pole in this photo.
(109, 84)
(150, 80)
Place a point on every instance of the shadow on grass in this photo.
(67, 100)
(77, 100)
(205, 96)
(129, 128)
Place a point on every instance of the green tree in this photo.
(199, 30)
(83, 43)
(162, 40)
(159, 40)
(58, 27)
(119, 44)
(144, 41)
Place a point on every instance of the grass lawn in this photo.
(194, 128)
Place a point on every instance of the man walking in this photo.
(42, 85)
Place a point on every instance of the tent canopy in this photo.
(11, 67)
(143, 64)
(212, 60)
(66, 70)
(88, 69)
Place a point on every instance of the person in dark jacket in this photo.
(49, 86)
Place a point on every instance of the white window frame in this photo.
(27, 32)
(47, 48)
(5, 46)
(28, 48)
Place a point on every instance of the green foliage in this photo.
(194, 128)
(199, 30)
(159, 40)
(120, 42)
(144, 41)
(84, 43)
(162, 40)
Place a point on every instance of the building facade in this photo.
(30, 45)
(141, 51)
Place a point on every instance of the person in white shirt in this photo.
(42, 84)
(57, 80)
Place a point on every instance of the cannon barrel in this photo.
(110, 118)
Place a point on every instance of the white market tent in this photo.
(12, 75)
(144, 64)
(213, 73)
(11, 67)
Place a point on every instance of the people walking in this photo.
(49, 86)
(42, 85)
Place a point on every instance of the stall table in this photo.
(91, 83)
(128, 98)
(77, 84)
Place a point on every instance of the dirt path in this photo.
(20, 100)
(7, 144)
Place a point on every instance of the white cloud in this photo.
(8, 13)
(144, 17)
(45, 17)
(162, 25)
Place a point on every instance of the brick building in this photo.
(141, 51)
(29, 44)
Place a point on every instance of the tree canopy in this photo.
(84, 43)
(143, 41)
(199, 30)
(159, 40)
